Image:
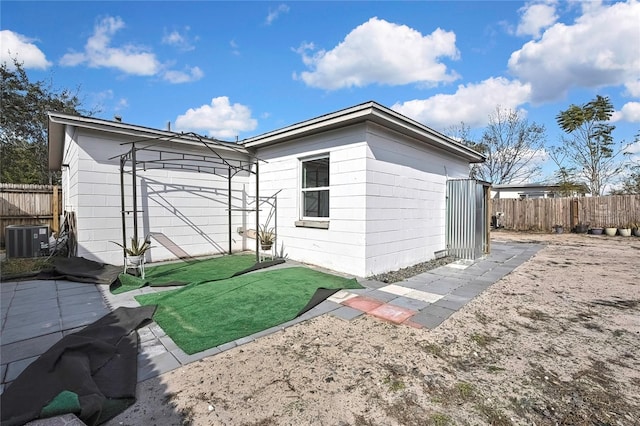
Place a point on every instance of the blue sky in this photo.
(238, 69)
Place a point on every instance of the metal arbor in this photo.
(224, 159)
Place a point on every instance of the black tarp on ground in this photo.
(258, 266)
(318, 297)
(91, 373)
(82, 270)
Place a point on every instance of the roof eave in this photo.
(58, 121)
(55, 132)
(369, 111)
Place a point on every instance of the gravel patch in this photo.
(404, 273)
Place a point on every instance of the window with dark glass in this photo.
(315, 188)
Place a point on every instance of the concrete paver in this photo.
(382, 295)
(453, 302)
(409, 303)
(425, 296)
(347, 313)
(426, 319)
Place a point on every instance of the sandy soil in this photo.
(557, 341)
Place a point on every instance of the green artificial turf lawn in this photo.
(202, 316)
(182, 273)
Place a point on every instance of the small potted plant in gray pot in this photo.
(635, 228)
(267, 237)
(135, 253)
(596, 230)
(582, 228)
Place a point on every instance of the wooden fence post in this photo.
(54, 209)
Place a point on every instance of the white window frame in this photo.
(302, 190)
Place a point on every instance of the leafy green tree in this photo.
(589, 149)
(23, 125)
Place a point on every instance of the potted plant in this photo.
(597, 230)
(625, 230)
(635, 228)
(610, 230)
(582, 228)
(267, 237)
(135, 253)
(558, 229)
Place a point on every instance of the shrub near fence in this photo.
(29, 205)
(542, 214)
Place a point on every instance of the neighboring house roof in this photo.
(366, 112)
(536, 186)
(58, 121)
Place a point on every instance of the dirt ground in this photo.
(557, 341)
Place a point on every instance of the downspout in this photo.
(257, 212)
(122, 210)
(229, 208)
(134, 191)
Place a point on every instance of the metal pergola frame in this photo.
(214, 163)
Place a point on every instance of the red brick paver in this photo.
(395, 314)
(364, 304)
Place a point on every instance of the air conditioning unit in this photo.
(26, 240)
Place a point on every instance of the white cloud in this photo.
(471, 104)
(633, 88)
(99, 54)
(275, 13)
(219, 119)
(178, 40)
(235, 48)
(17, 46)
(535, 17)
(599, 49)
(105, 101)
(629, 112)
(190, 74)
(381, 52)
(121, 104)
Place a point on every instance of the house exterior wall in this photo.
(70, 173)
(341, 247)
(387, 196)
(387, 199)
(187, 207)
(405, 200)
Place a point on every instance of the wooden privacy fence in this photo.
(29, 205)
(542, 214)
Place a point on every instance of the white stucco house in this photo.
(362, 190)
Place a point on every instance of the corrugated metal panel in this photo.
(466, 219)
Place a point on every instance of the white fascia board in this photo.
(320, 124)
(55, 133)
(405, 125)
(58, 122)
(370, 111)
